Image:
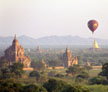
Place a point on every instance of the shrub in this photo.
(83, 75)
(98, 80)
(52, 73)
(34, 88)
(59, 75)
(35, 74)
(60, 86)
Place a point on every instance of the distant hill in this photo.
(29, 42)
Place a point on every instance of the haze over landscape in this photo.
(55, 41)
(39, 18)
(53, 45)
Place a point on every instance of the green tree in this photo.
(6, 86)
(54, 85)
(37, 65)
(17, 69)
(104, 70)
(34, 88)
(83, 75)
(52, 73)
(3, 63)
(60, 86)
(54, 62)
(35, 74)
(73, 70)
(88, 68)
(98, 80)
(6, 73)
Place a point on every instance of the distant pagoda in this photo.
(95, 45)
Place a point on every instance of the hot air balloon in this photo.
(92, 24)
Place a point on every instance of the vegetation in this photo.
(18, 87)
(78, 78)
(82, 76)
(98, 80)
(104, 70)
(97, 88)
(35, 74)
(59, 86)
(73, 70)
(15, 70)
(37, 65)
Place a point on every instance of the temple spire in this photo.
(67, 49)
(95, 44)
(15, 37)
(15, 41)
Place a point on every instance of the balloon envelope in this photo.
(92, 24)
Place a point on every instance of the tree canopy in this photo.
(104, 70)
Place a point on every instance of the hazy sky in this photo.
(38, 18)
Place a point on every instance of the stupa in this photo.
(95, 45)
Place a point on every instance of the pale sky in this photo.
(39, 18)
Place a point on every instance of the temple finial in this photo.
(67, 46)
(15, 37)
(67, 49)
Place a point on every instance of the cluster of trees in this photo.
(16, 71)
(12, 71)
(51, 85)
(35, 74)
(81, 74)
(51, 57)
(95, 57)
(102, 77)
(10, 86)
(78, 72)
(60, 86)
(38, 65)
